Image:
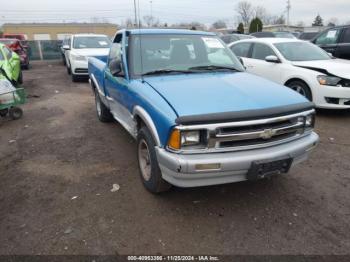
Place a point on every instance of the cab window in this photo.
(329, 37)
(346, 36)
(261, 51)
(241, 50)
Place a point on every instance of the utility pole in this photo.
(135, 13)
(289, 6)
(151, 12)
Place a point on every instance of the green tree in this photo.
(240, 28)
(318, 21)
(256, 25)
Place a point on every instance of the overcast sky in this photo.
(170, 11)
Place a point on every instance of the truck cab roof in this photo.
(167, 31)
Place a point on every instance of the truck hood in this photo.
(337, 67)
(209, 93)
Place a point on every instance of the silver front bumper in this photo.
(181, 170)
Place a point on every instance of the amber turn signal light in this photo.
(175, 139)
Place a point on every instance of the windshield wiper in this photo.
(214, 67)
(166, 71)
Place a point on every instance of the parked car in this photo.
(66, 42)
(300, 65)
(234, 37)
(308, 35)
(11, 65)
(20, 37)
(198, 119)
(335, 41)
(16, 46)
(80, 48)
(273, 34)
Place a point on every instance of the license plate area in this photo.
(265, 169)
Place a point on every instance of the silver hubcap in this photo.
(98, 105)
(299, 89)
(144, 160)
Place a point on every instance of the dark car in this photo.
(16, 46)
(234, 37)
(335, 41)
(308, 35)
(273, 34)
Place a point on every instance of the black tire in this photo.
(301, 87)
(20, 78)
(64, 60)
(75, 78)
(103, 113)
(15, 113)
(152, 179)
(4, 112)
(69, 71)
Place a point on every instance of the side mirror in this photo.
(115, 67)
(272, 59)
(66, 47)
(241, 60)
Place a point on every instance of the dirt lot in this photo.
(57, 175)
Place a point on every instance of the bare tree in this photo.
(148, 20)
(129, 23)
(245, 11)
(261, 12)
(333, 21)
(219, 24)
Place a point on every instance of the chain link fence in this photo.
(44, 50)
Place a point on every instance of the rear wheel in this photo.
(75, 78)
(150, 172)
(103, 113)
(301, 88)
(15, 113)
(68, 69)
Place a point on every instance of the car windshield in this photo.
(180, 53)
(81, 42)
(284, 35)
(302, 51)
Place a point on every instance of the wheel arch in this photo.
(141, 117)
(300, 80)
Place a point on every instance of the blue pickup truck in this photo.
(199, 119)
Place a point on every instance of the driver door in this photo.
(116, 85)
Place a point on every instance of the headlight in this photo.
(328, 80)
(310, 121)
(78, 57)
(186, 139)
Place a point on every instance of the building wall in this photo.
(55, 31)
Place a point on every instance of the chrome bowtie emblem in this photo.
(267, 133)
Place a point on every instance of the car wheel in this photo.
(75, 78)
(15, 113)
(20, 78)
(4, 112)
(103, 113)
(68, 69)
(301, 88)
(150, 172)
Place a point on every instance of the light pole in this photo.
(135, 13)
(288, 11)
(151, 12)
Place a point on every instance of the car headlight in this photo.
(310, 121)
(186, 139)
(78, 57)
(328, 80)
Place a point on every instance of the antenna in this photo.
(140, 40)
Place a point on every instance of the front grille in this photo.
(81, 70)
(241, 135)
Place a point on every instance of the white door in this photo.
(257, 65)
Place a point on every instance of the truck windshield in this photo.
(179, 53)
(302, 51)
(91, 42)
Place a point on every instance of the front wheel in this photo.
(150, 172)
(301, 88)
(15, 113)
(103, 113)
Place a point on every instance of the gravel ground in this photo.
(59, 167)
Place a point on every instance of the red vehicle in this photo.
(20, 37)
(16, 46)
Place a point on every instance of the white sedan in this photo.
(299, 65)
(82, 46)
